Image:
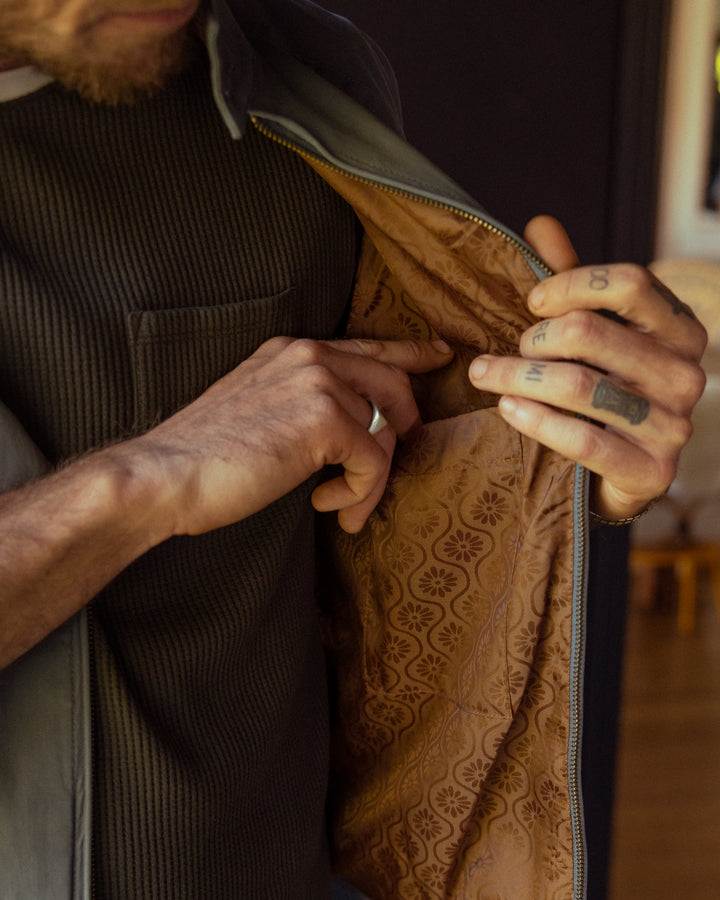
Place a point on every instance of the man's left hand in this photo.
(633, 378)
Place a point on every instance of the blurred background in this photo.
(605, 114)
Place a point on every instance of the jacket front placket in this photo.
(457, 616)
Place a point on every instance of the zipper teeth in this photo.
(400, 192)
(573, 776)
(91, 666)
(577, 686)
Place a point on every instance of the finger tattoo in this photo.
(678, 307)
(599, 279)
(614, 399)
(540, 332)
(535, 372)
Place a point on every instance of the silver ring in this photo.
(378, 421)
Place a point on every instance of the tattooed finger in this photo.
(678, 307)
(612, 398)
(539, 335)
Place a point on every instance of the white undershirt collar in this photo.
(24, 80)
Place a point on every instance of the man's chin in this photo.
(132, 78)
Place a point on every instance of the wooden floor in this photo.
(667, 820)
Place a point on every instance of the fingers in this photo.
(357, 375)
(551, 242)
(358, 491)
(582, 390)
(630, 475)
(286, 412)
(376, 371)
(605, 344)
(414, 357)
(633, 375)
(630, 292)
(638, 424)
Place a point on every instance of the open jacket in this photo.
(456, 617)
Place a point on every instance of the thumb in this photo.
(550, 241)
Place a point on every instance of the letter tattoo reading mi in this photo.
(535, 372)
(610, 397)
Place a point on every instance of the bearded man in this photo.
(175, 289)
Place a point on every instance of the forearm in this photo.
(253, 436)
(64, 537)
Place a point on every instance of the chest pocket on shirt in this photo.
(179, 353)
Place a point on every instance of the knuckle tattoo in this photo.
(540, 333)
(610, 397)
(535, 372)
(600, 278)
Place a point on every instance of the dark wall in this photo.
(535, 107)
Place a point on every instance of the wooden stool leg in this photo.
(715, 579)
(686, 574)
(644, 586)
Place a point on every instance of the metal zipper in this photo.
(91, 668)
(577, 668)
(523, 248)
(579, 511)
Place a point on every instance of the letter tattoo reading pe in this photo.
(541, 332)
(610, 397)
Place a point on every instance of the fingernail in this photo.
(508, 406)
(535, 297)
(478, 367)
(442, 347)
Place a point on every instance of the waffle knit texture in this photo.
(143, 254)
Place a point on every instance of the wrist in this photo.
(134, 484)
(599, 514)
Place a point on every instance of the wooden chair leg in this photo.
(686, 574)
(715, 579)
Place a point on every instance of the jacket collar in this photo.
(241, 33)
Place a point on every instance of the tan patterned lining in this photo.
(451, 611)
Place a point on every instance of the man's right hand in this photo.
(292, 408)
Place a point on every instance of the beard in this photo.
(115, 75)
(134, 77)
